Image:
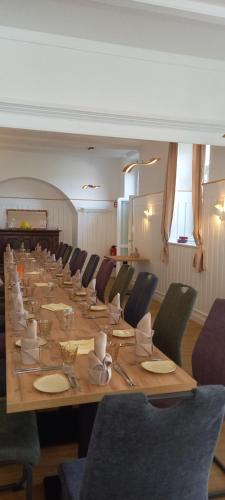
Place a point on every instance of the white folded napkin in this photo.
(114, 310)
(59, 265)
(91, 292)
(66, 273)
(14, 277)
(76, 280)
(19, 314)
(53, 257)
(8, 248)
(29, 344)
(16, 288)
(99, 361)
(143, 336)
(11, 257)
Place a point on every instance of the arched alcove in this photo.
(35, 194)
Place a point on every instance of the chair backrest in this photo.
(138, 303)
(78, 264)
(74, 257)
(57, 252)
(208, 357)
(121, 282)
(172, 318)
(89, 270)
(139, 451)
(62, 250)
(102, 278)
(66, 255)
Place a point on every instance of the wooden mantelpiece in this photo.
(48, 238)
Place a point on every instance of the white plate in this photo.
(30, 316)
(100, 307)
(68, 283)
(52, 383)
(59, 275)
(82, 293)
(159, 366)
(123, 333)
(25, 299)
(41, 342)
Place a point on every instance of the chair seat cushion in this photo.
(18, 437)
(71, 474)
(2, 378)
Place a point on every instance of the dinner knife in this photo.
(38, 369)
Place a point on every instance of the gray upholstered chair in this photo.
(90, 269)
(138, 303)
(138, 451)
(121, 282)
(172, 318)
(208, 358)
(66, 255)
(19, 444)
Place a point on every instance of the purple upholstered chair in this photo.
(102, 278)
(78, 264)
(208, 358)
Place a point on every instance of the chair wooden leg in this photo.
(18, 485)
(219, 493)
(29, 482)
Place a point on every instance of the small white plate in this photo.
(41, 342)
(30, 316)
(52, 383)
(25, 299)
(123, 333)
(100, 307)
(159, 366)
(59, 275)
(68, 283)
(81, 293)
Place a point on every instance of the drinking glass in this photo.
(45, 326)
(69, 354)
(66, 319)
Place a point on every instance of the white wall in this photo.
(147, 237)
(37, 195)
(52, 181)
(151, 178)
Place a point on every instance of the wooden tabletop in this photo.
(22, 396)
(126, 258)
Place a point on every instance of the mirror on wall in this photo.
(27, 219)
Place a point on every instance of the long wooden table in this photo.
(22, 396)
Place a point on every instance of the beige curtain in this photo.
(168, 199)
(198, 155)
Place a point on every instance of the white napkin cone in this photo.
(76, 280)
(91, 293)
(59, 265)
(19, 314)
(143, 335)
(114, 310)
(66, 273)
(100, 361)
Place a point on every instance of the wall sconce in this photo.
(148, 212)
(130, 166)
(220, 207)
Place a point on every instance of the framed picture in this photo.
(27, 219)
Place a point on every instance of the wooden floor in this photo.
(51, 457)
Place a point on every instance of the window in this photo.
(182, 223)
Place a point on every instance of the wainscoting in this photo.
(147, 238)
(97, 230)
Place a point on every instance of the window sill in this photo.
(188, 244)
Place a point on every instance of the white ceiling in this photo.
(189, 27)
(105, 147)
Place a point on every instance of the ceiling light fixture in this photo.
(90, 186)
(130, 166)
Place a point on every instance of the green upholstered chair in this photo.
(19, 444)
(172, 318)
(121, 282)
